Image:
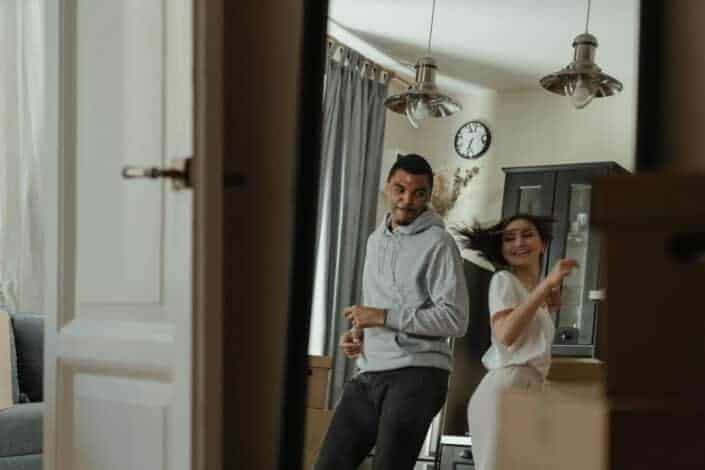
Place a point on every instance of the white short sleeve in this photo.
(504, 293)
(533, 347)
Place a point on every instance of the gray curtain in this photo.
(353, 133)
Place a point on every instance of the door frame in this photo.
(284, 363)
(273, 74)
(207, 177)
(312, 56)
(650, 156)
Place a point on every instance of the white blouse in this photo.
(533, 347)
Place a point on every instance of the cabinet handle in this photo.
(597, 294)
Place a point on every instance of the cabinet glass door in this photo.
(575, 322)
(530, 200)
(528, 193)
(575, 327)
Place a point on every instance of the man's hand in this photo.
(364, 317)
(350, 344)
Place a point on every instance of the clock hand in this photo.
(469, 147)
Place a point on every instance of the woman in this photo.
(520, 305)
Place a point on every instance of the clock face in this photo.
(472, 140)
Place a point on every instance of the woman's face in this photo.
(521, 244)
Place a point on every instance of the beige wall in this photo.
(537, 128)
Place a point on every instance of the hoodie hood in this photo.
(427, 219)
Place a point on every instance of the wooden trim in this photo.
(52, 166)
(649, 200)
(267, 105)
(649, 154)
(309, 124)
(576, 370)
(207, 403)
(613, 166)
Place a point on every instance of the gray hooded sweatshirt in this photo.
(416, 274)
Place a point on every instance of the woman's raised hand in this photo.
(561, 269)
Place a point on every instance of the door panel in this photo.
(137, 411)
(119, 116)
(119, 344)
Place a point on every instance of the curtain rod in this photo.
(392, 75)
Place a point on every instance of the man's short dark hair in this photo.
(414, 164)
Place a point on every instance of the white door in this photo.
(118, 353)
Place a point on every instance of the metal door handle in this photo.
(179, 173)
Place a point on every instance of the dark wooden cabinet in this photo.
(565, 193)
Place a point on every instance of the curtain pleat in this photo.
(22, 104)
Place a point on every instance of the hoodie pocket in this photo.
(419, 343)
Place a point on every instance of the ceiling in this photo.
(488, 44)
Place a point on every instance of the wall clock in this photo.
(472, 140)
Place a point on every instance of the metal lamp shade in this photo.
(423, 94)
(582, 68)
(438, 104)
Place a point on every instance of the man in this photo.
(414, 299)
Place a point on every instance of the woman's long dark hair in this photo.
(488, 240)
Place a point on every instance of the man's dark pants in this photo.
(390, 411)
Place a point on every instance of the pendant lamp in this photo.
(582, 80)
(422, 99)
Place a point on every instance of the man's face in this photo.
(408, 195)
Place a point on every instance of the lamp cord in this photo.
(587, 20)
(430, 33)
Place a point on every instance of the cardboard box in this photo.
(317, 386)
(317, 422)
(547, 431)
(317, 416)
